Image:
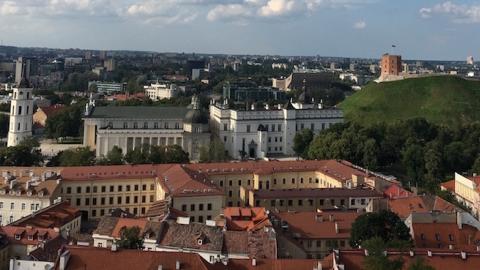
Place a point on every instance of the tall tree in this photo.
(370, 154)
(376, 259)
(385, 224)
(26, 153)
(81, 156)
(301, 141)
(130, 238)
(414, 163)
(433, 168)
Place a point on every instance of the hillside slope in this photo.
(439, 99)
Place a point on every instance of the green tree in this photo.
(130, 238)
(301, 141)
(433, 168)
(385, 224)
(136, 156)
(157, 155)
(476, 166)
(66, 123)
(80, 156)
(214, 153)
(376, 259)
(114, 157)
(175, 154)
(26, 153)
(370, 154)
(4, 124)
(414, 163)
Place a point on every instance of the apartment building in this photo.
(465, 189)
(238, 179)
(313, 199)
(24, 191)
(98, 190)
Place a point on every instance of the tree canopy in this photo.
(26, 153)
(385, 225)
(130, 238)
(301, 141)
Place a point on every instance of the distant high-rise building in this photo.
(102, 55)
(470, 60)
(88, 55)
(391, 64)
(22, 69)
(109, 64)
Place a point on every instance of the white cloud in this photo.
(459, 13)
(8, 8)
(226, 12)
(360, 25)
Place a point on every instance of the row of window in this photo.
(325, 243)
(146, 125)
(111, 200)
(275, 182)
(200, 207)
(33, 206)
(437, 237)
(310, 202)
(135, 211)
(199, 219)
(111, 188)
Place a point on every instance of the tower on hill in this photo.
(21, 114)
(391, 64)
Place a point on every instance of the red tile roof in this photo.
(246, 219)
(82, 258)
(442, 235)
(54, 216)
(319, 225)
(128, 223)
(403, 207)
(396, 191)
(183, 182)
(52, 110)
(11, 231)
(317, 193)
(112, 172)
(449, 185)
(440, 259)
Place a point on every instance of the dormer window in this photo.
(18, 237)
(40, 237)
(30, 237)
(200, 242)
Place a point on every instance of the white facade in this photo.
(158, 91)
(262, 133)
(21, 116)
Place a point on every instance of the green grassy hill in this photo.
(439, 99)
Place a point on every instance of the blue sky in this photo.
(445, 30)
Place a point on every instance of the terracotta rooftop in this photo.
(28, 235)
(180, 181)
(318, 225)
(86, 258)
(51, 110)
(246, 219)
(439, 259)
(275, 264)
(54, 216)
(112, 172)
(316, 192)
(160, 210)
(449, 185)
(396, 191)
(29, 181)
(403, 207)
(444, 235)
(339, 169)
(112, 226)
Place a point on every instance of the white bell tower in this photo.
(21, 114)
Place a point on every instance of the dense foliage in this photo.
(214, 153)
(418, 152)
(26, 153)
(130, 238)
(385, 224)
(66, 123)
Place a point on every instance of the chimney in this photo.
(336, 228)
(160, 267)
(64, 260)
(463, 254)
(412, 253)
(113, 248)
(254, 262)
(319, 266)
(27, 185)
(252, 107)
(331, 217)
(459, 220)
(177, 265)
(478, 248)
(429, 253)
(319, 218)
(450, 247)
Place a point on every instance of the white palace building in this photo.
(266, 132)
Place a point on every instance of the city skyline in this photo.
(429, 30)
